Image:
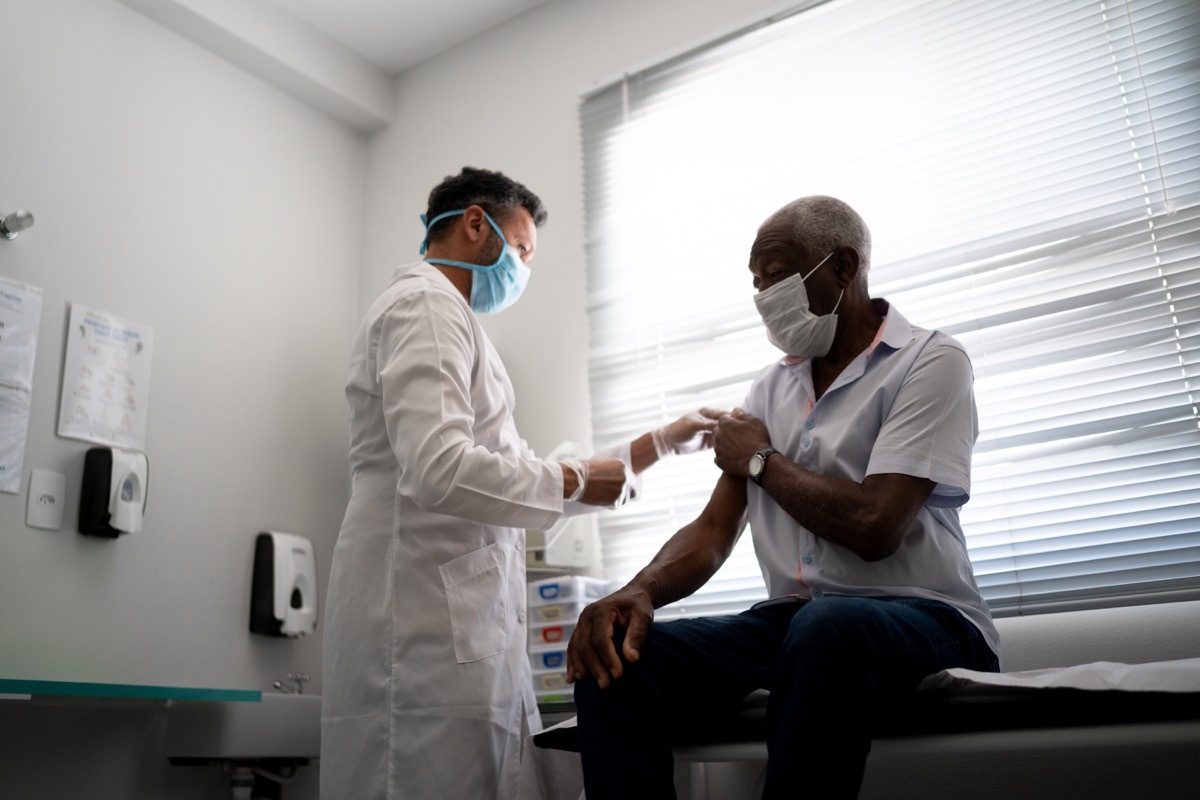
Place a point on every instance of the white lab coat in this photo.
(427, 688)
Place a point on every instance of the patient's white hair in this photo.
(820, 224)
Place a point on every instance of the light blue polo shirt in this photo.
(905, 405)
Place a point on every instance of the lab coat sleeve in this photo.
(571, 508)
(427, 360)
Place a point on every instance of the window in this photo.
(1031, 175)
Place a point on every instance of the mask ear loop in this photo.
(838, 303)
(817, 267)
(810, 272)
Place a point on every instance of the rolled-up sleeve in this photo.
(932, 425)
(426, 357)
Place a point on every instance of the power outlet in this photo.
(47, 497)
(535, 556)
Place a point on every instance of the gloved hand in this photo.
(691, 433)
(580, 470)
(605, 482)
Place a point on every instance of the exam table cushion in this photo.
(961, 701)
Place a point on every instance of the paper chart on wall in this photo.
(106, 379)
(20, 315)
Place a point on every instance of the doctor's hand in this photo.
(607, 483)
(592, 650)
(737, 437)
(691, 433)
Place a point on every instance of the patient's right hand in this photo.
(592, 650)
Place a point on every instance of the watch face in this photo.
(756, 465)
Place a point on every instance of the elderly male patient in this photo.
(850, 460)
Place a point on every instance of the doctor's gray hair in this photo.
(494, 192)
(820, 224)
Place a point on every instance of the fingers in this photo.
(693, 431)
(591, 650)
(692, 424)
(576, 666)
(635, 636)
(737, 437)
(739, 419)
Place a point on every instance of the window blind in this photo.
(1030, 171)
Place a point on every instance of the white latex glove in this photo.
(603, 482)
(691, 433)
(580, 468)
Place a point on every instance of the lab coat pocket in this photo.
(478, 612)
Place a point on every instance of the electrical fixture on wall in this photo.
(12, 224)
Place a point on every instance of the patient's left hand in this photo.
(738, 436)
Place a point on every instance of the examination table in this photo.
(1091, 731)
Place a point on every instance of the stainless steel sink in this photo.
(280, 726)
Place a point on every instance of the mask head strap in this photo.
(444, 214)
(430, 223)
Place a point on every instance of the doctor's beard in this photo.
(493, 246)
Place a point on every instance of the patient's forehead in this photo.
(776, 242)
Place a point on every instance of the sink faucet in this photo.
(295, 683)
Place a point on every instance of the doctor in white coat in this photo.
(427, 690)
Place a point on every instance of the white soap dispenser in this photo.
(283, 596)
(130, 472)
(113, 495)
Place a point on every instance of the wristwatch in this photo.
(758, 464)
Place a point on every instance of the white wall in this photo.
(177, 191)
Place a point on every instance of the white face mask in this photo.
(791, 326)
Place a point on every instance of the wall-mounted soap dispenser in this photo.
(283, 597)
(112, 500)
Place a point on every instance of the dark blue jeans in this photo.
(830, 665)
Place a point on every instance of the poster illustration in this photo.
(106, 379)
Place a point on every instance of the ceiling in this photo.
(396, 34)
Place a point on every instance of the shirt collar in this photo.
(896, 331)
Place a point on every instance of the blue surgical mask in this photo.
(494, 287)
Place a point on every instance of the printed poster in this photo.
(106, 379)
(20, 315)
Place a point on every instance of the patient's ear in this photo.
(845, 263)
